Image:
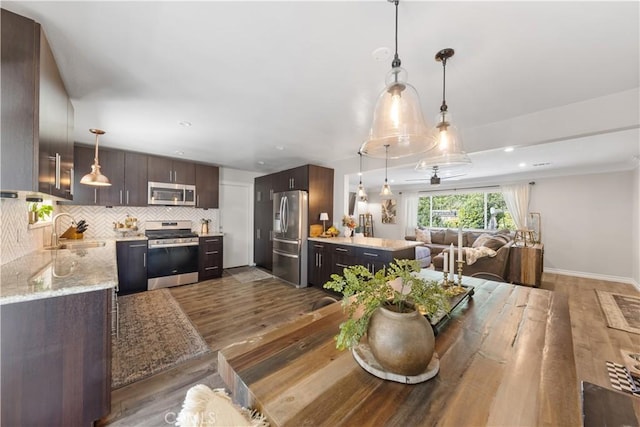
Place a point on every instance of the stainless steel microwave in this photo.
(168, 194)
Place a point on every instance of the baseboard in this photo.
(596, 276)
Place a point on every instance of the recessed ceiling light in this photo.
(260, 162)
(381, 54)
(184, 123)
(179, 153)
(508, 149)
(279, 147)
(541, 164)
(522, 164)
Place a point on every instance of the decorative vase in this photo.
(33, 217)
(347, 232)
(402, 343)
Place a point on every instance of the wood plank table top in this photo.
(502, 362)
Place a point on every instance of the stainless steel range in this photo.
(172, 254)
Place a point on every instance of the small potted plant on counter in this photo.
(38, 211)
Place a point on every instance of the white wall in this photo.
(386, 231)
(587, 224)
(635, 228)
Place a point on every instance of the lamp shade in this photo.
(95, 177)
(449, 151)
(398, 122)
(324, 216)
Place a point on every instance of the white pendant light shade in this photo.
(386, 192)
(397, 121)
(95, 177)
(362, 193)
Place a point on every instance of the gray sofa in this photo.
(494, 268)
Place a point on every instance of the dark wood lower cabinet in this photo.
(327, 258)
(56, 360)
(210, 254)
(132, 266)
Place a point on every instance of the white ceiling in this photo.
(271, 85)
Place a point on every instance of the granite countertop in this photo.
(210, 234)
(369, 242)
(52, 273)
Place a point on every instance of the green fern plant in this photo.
(398, 287)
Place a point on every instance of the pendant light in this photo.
(386, 193)
(449, 152)
(95, 178)
(398, 128)
(362, 193)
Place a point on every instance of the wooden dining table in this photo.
(502, 362)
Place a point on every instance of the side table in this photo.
(526, 264)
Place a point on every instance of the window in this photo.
(478, 210)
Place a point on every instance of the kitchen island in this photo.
(329, 256)
(55, 314)
(501, 363)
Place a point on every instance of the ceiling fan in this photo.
(435, 179)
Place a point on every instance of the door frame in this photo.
(249, 225)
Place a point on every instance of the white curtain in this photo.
(410, 213)
(516, 197)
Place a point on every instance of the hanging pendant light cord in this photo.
(396, 59)
(386, 161)
(95, 158)
(360, 154)
(443, 107)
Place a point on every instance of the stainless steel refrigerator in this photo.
(290, 230)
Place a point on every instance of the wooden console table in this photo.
(501, 363)
(525, 264)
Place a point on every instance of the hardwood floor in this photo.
(226, 311)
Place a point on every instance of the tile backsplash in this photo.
(19, 238)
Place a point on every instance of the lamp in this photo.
(398, 123)
(449, 152)
(95, 178)
(362, 193)
(324, 217)
(386, 193)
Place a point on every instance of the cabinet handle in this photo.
(175, 176)
(369, 254)
(198, 200)
(138, 246)
(270, 235)
(341, 265)
(258, 234)
(293, 183)
(72, 177)
(271, 194)
(120, 196)
(319, 246)
(95, 196)
(211, 253)
(144, 259)
(212, 240)
(320, 255)
(211, 268)
(170, 174)
(58, 165)
(342, 250)
(127, 196)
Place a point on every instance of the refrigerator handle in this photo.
(285, 215)
(280, 219)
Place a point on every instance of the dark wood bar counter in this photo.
(502, 362)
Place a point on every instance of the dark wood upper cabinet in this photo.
(165, 169)
(135, 179)
(83, 159)
(112, 166)
(207, 186)
(37, 117)
(263, 221)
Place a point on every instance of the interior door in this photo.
(236, 223)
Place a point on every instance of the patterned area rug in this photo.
(155, 335)
(248, 274)
(622, 311)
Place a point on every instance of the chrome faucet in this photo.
(54, 235)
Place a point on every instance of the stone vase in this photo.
(403, 343)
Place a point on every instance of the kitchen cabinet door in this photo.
(160, 169)
(83, 159)
(132, 266)
(184, 172)
(112, 165)
(319, 264)
(207, 186)
(263, 221)
(135, 179)
(320, 194)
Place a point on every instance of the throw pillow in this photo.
(423, 236)
(451, 236)
(470, 237)
(489, 241)
(437, 237)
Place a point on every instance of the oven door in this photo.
(172, 265)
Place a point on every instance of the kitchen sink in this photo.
(78, 245)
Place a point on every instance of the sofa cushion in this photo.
(494, 242)
(470, 237)
(437, 237)
(423, 236)
(451, 236)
